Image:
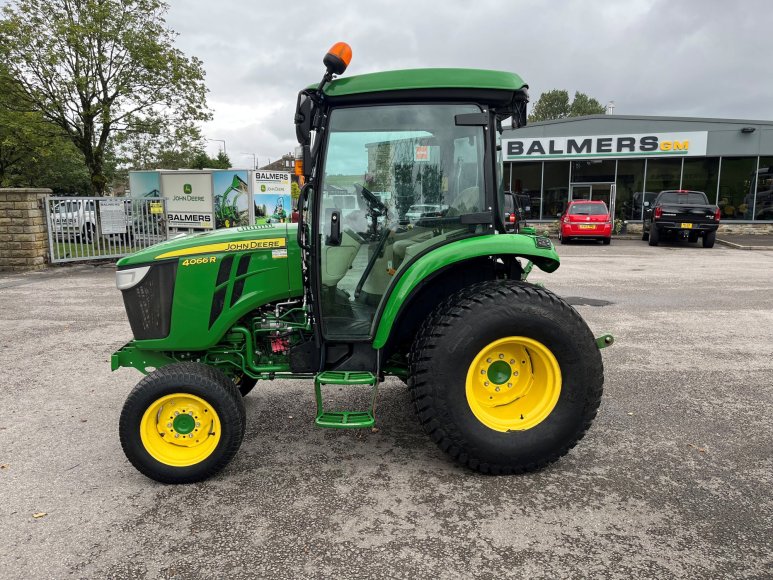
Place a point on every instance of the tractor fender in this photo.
(537, 249)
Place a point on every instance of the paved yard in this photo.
(673, 480)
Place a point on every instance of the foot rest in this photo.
(345, 419)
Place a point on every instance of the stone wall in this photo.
(23, 238)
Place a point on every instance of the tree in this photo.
(555, 105)
(96, 68)
(33, 152)
(295, 191)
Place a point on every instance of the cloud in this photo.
(694, 57)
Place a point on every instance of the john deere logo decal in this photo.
(187, 189)
(262, 188)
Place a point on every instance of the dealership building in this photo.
(618, 158)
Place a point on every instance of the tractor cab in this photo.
(414, 153)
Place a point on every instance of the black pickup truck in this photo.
(681, 214)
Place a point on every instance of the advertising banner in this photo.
(271, 196)
(189, 200)
(145, 183)
(232, 198)
(686, 144)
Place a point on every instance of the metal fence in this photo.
(91, 228)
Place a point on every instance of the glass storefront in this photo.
(736, 187)
(700, 174)
(630, 187)
(742, 187)
(555, 191)
(763, 208)
(526, 179)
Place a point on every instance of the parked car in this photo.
(514, 212)
(681, 214)
(585, 219)
(74, 219)
(638, 201)
(421, 210)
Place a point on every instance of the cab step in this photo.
(345, 419)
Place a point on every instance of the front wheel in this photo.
(182, 423)
(517, 389)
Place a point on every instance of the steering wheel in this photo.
(375, 204)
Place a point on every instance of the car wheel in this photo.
(87, 234)
(561, 237)
(606, 241)
(518, 390)
(182, 423)
(709, 239)
(654, 235)
(645, 234)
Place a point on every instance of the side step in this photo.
(345, 419)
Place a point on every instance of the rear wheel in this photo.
(182, 423)
(654, 235)
(561, 237)
(518, 389)
(606, 241)
(709, 238)
(645, 234)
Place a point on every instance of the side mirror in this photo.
(303, 114)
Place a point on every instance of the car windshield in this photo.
(588, 209)
(684, 197)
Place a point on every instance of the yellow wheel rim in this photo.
(513, 384)
(180, 429)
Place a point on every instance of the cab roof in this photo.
(485, 85)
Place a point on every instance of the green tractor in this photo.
(504, 375)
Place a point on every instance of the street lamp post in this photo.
(221, 141)
(254, 160)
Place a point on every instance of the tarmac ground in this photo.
(673, 480)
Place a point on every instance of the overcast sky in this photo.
(705, 58)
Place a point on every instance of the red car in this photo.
(586, 219)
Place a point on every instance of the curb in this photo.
(740, 247)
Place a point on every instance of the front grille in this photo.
(149, 303)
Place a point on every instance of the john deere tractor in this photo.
(505, 376)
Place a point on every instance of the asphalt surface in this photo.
(673, 479)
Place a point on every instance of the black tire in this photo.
(709, 239)
(645, 234)
(198, 380)
(561, 236)
(654, 235)
(606, 241)
(443, 353)
(244, 383)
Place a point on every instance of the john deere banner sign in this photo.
(601, 146)
(271, 196)
(189, 200)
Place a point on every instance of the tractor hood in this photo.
(258, 237)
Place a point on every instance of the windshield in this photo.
(684, 197)
(588, 209)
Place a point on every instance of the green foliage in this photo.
(295, 191)
(555, 105)
(405, 187)
(33, 152)
(97, 68)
